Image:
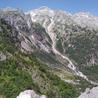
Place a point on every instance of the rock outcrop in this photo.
(29, 94)
(90, 93)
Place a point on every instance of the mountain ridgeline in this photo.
(49, 51)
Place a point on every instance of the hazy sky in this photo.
(67, 5)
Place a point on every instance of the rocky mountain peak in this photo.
(85, 19)
(44, 8)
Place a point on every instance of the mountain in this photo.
(86, 20)
(49, 51)
(74, 36)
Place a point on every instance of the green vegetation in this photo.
(59, 46)
(84, 45)
(91, 72)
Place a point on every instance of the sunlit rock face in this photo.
(93, 93)
(29, 94)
